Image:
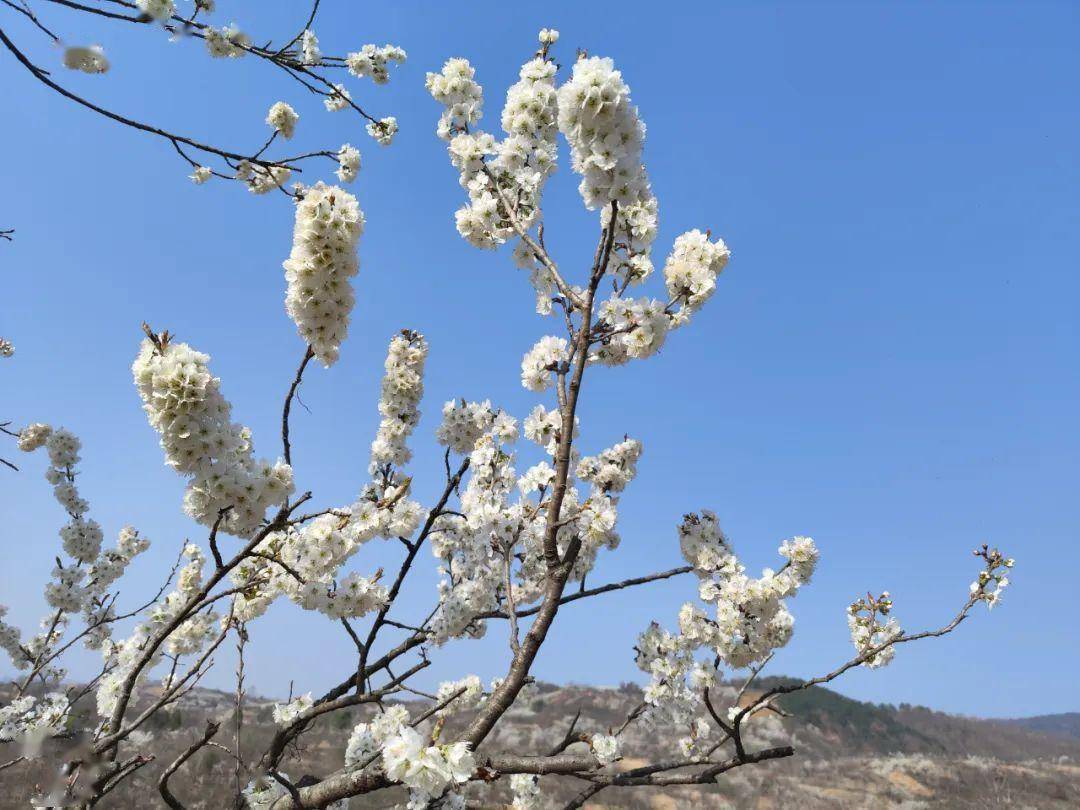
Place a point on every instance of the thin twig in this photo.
(613, 586)
(308, 354)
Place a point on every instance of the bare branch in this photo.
(174, 138)
(163, 782)
(308, 354)
(5, 765)
(613, 586)
(414, 549)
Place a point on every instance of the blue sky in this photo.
(889, 363)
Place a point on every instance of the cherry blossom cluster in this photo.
(993, 579)
(496, 538)
(374, 61)
(675, 693)
(590, 522)
(352, 597)
(348, 158)
(29, 720)
(262, 179)
(183, 402)
(201, 174)
(193, 632)
(384, 510)
(338, 99)
(189, 638)
(426, 770)
(480, 546)
(527, 156)
(605, 133)
(455, 87)
(464, 694)
(34, 436)
(81, 536)
(802, 557)
(544, 427)
(691, 270)
(683, 689)
(282, 118)
(504, 179)
(64, 591)
(262, 791)
(310, 54)
(82, 583)
(751, 617)
(7, 348)
(638, 328)
(228, 42)
(399, 401)
(305, 563)
(471, 571)
(103, 573)
(751, 621)
(526, 790)
(11, 642)
(463, 424)
(286, 713)
(383, 130)
(871, 627)
(40, 646)
(367, 739)
(482, 222)
(613, 469)
(85, 59)
(606, 137)
(323, 259)
(605, 748)
(160, 10)
(539, 363)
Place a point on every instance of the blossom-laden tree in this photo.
(510, 544)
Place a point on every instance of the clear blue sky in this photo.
(889, 364)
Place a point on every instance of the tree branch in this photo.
(613, 586)
(308, 354)
(163, 783)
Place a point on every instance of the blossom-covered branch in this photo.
(300, 60)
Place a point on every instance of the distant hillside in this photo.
(1060, 725)
(852, 727)
(849, 754)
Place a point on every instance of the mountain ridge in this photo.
(849, 753)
